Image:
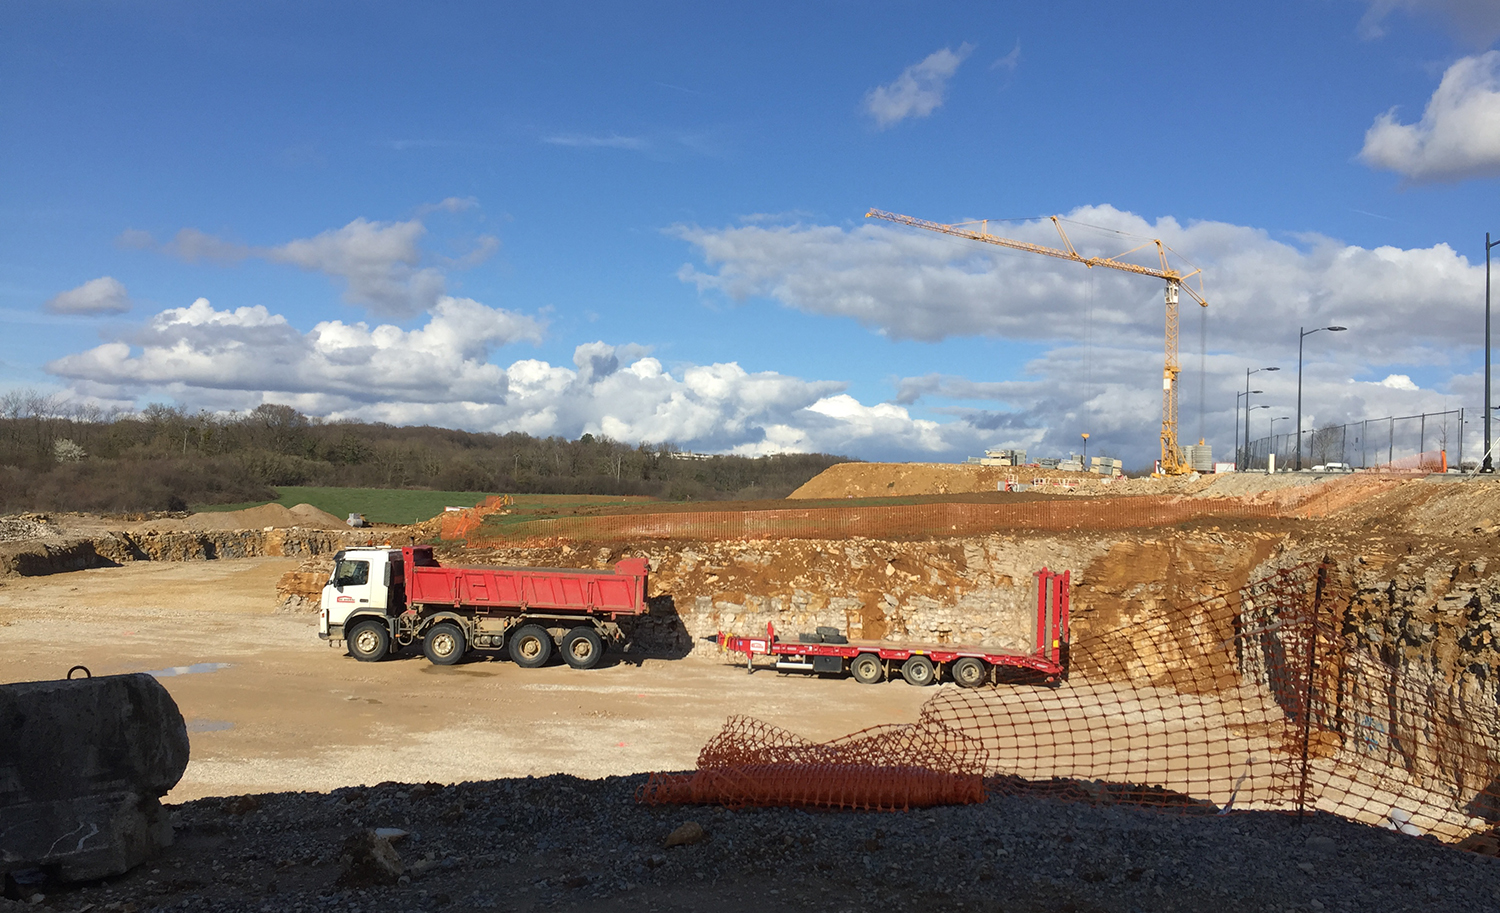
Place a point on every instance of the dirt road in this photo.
(270, 707)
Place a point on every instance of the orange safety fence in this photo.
(461, 524)
(1426, 462)
(1270, 697)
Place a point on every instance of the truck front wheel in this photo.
(531, 646)
(582, 648)
(444, 644)
(369, 641)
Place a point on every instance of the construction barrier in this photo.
(1259, 699)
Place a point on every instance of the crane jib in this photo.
(1172, 461)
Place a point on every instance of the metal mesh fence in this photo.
(1426, 442)
(1253, 700)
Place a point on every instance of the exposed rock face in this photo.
(83, 765)
(54, 555)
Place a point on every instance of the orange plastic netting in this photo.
(1268, 697)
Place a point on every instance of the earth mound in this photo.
(262, 517)
(892, 480)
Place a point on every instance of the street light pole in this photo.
(1248, 391)
(1305, 334)
(1488, 465)
(1248, 407)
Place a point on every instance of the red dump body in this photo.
(620, 591)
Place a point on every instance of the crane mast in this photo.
(1172, 462)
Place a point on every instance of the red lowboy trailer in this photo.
(830, 653)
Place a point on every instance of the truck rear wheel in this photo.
(970, 672)
(582, 648)
(918, 671)
(444, 643)
(867, 669)
(531, 646)
(369, 641)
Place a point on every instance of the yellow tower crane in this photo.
(1172, 462)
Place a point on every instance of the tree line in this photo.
(60, 456)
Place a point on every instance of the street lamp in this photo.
(1305, 334)
(1237, 396)
(1248, 391)
(1488, 466)
(1249, 407)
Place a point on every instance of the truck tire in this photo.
(531, 646)
(867, 668)
(583, 648)
(918, 671)
(444, 643)
(369, 641)
(969, 672)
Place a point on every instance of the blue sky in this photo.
(646, 220)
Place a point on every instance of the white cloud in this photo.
(444, 373)
(919, 90)
(1102, 329)
(105, 295)
(380, 263)
(1010, 61)
(378, 260)
(589, 141)
(1475, 22)
(1458, 136)
(1398, 382)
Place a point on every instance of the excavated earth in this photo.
(1418, 556)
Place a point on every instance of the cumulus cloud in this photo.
(919, 90)
(1475, 22)
(381, 264)
(105, 295)
(1458, 136)
(445, 373)
(1102, 329)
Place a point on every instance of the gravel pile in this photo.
(23, 528)
(563, 843)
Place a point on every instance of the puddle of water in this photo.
(208, 725)
(188, 670)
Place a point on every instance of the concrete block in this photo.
(83, 765)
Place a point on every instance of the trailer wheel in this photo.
(444, 644)
(582, 648)
(918, 671)
(867, 669)
(531, 646)
(369, 641)
(970, 672)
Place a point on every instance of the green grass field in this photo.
(377, 504)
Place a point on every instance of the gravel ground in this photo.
(562, 843)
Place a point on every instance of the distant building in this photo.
(1003, 458)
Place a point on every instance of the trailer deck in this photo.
(922, 663)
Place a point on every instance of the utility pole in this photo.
(1488, 466)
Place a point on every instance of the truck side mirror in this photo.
(386, 576)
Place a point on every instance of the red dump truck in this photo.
(382, 596)
(829, 652)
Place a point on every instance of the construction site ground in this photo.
(271, 709)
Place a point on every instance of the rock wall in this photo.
(52, 555)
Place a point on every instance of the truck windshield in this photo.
(351, 573)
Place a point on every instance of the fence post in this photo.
(1307, 694)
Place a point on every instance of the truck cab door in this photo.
(351, 588)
